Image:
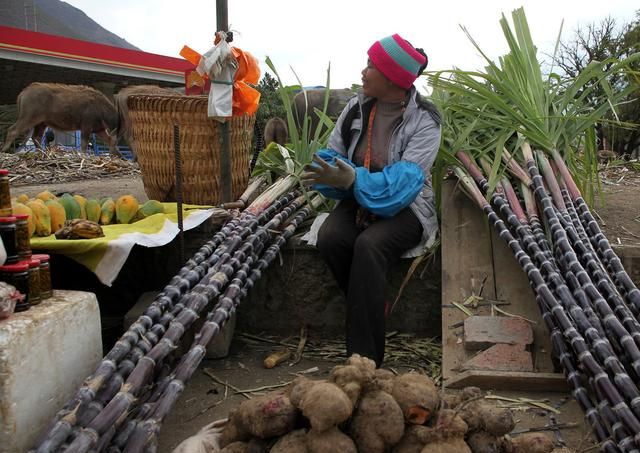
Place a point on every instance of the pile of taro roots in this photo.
(363, 409)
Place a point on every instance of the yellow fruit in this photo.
(23, 198)
(46, 195)
(93, 210)
(126, 208)
(20, 208)
(151, 207)
(57, 214)
(107, 211)
(82, 201)
(41, 217)
(71, 206)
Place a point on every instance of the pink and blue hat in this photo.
(398, 60)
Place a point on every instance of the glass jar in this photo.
(34, 281)
(8, 235)
(5, 193)
(23, 240)
(17, 275)
(45, 275)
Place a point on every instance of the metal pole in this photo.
(222, 19)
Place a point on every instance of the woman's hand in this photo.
(341, 175)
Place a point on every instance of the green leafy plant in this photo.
(512, 101)
(303, 143)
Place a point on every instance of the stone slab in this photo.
(46, 353)
(482, 332)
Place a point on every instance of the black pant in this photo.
(359, 260)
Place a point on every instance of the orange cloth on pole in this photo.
(245, 98)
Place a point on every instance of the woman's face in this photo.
(374, 83)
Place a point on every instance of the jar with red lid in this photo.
(34, 281)
(23, 239)
(17, 275)
(8, 235)
(5, 193)
(46, 290)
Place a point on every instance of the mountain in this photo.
(56, 17)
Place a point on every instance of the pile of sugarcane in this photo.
(120, 408)
(498, 117)
(587, 300)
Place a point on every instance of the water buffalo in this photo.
(275, 131)
(338, 98)
(123, 108)
(66, 108)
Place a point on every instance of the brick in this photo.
(481, 332)
(501, 357)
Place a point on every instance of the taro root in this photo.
(294, 442)
(417, 396)
(383, 380)
(483, 442)
(378, 423)
(414, 439)
(325, 405)
(263, 417)
(532, 443)
(448, 430)
(236, 447)
(329, 441)
(482, 416)
(453, 400)
(354, 376)
(452, 445)
(299, 388)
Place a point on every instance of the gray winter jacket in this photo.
(415, 139)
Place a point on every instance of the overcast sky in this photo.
(308, 35)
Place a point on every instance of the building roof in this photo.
(41, 48)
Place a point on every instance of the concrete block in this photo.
(219, 346)
(46, 353)
(481, 332)
(501, 357)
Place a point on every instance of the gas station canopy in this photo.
(27, 56)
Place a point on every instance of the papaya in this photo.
(151, 207)
(57, 214)
(23, 198)
(71, 206)
(20, 208)
(126, 208)
(107, 212)
(93, 210)
(82, 201)
(46, 195)
(41, 217)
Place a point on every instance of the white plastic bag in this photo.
(220, 65)
(207, 440)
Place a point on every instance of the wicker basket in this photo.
(152, 121)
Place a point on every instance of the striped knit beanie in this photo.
(398, 60)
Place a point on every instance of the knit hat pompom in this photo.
(398, 60)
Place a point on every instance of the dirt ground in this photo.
(209, 396)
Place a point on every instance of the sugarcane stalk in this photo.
(538, 247)
(619, 274)
(578, 344)
(582, 318)
(197, 299)
(514, 168)
(145, 431)
(574, 378)
(626, 341)
(187, 277)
